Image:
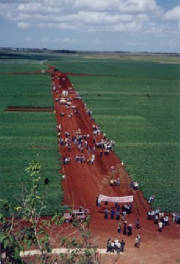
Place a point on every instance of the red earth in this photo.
(83, 182)
(28, 109)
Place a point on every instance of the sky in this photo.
(94, 25)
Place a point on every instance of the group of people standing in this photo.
(116, 211)
(89, 145)
(118, 246)
(159, 218)
(115, 246)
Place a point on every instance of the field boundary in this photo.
(28, 109)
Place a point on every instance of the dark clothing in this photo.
(125, 229)
(109, 249)
(112, 213)
(122, 245)
(119, 229)
(129, 230)
(117, 215)
(106, 213)
(137, 224)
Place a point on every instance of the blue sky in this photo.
(127, 25)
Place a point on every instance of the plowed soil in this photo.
(28, 109)
(21, 73)
(83, 182)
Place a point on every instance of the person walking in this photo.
(119, 228)
(106, 212)
(112, 213)
(160, 226)
(97, 202)
(125, 228)
(122, 245)
(118, 250)
(137, 240)
(129, 230)
(108, 245)
(137, 223)
(117, 214)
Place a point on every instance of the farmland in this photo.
(25, 136)
(137, 107)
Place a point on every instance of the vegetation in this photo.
(30, 230)
(137, 107)
(24, 134)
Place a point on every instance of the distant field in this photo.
(23, 136)
(138, 108)
(159, 58)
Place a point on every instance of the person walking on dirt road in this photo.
(137, 240)
(119, 228)
(122, 245)
(106, 212)
(137, 223)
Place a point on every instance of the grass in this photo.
(25, 135)
(145, 129)
(138, 108)
(158, 58)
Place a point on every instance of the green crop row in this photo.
(136, 103)
(28, 135)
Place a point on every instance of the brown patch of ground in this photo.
(88, 74)
(21, 73)
(28, 109)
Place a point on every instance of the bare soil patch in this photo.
(21, 73)
(28, 109)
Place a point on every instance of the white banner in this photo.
(123, 199)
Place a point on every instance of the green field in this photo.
(145, 128)
(138, 108)
(28, 135)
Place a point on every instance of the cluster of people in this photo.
(176, 218)
(115, 212)
(104, 145)
(159, 218)
(86, 144)
(127, 228)
(115, 246)
(134, 185)
(115, 182)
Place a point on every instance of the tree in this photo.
(29, 211)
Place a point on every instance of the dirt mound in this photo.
(88, 74)
(28, 109)
(21, 73)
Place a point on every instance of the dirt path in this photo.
(83, 182)
(28, 109)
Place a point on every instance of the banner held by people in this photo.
(122, 199)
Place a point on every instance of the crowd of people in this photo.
(115, 246)
(117, 211)
(118, 246)
(88, 145)
(161, 219)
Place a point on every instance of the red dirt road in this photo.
(83, 182)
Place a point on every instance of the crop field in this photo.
(137, 107)
(28, 135)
